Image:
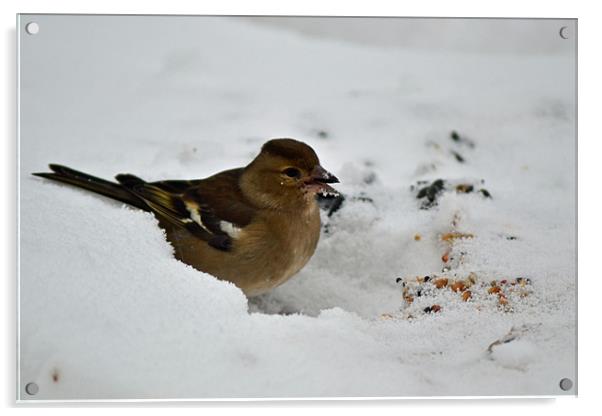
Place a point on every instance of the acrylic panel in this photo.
(418, 238)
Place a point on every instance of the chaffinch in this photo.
(255, 226)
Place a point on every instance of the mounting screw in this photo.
(566, 384)
(32, 28)
(31, 389)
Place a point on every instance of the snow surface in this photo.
(106, 312)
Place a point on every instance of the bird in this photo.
(254, 226)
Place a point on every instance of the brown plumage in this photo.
(254, 226)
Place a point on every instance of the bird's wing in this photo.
(212, 209)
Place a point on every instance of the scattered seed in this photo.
(438, 184)
(417, 237)
(466, 295)
(464, 188)
(460, 139)
(485, 193)
(455, 220)
(455, 235)
(430, 192)
(432, 309)
(458, 286)
(362, 197)
(458, 156)
(441, 283)
(523, 281)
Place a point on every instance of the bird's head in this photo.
(286, 175)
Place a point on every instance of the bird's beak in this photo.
(319, 174)
(319, 179)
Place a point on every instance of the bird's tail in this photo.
(91, 183)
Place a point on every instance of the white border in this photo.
(18, 201)
(589, 151)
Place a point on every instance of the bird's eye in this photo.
(292, 172)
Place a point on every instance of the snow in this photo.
(106, 312)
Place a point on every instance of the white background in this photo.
(588, 234)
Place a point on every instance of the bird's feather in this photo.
(204, 207)
(197, 205)
(219, 198)
(83, 180)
